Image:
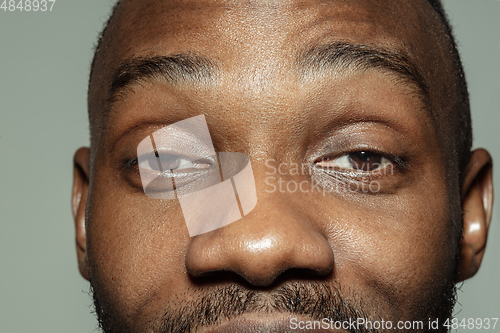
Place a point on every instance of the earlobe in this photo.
(81, 171)
(477, 205)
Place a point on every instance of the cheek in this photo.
(136, 247)
(397, 250)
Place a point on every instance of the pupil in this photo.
(365, 161)
(364, 156)
(170, 162)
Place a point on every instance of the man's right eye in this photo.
(162, 162)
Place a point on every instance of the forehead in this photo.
(263, 28)
(255, 43)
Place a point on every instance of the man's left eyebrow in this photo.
(340, 56)
(175, 69)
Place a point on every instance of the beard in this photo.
(314, 300)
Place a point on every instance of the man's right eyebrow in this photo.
(175, 69)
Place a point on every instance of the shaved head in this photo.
(354, 117)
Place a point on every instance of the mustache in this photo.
(313, 300)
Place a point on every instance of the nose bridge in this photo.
(273, 238)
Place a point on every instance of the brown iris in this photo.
(365, 161)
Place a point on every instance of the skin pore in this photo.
(271, 82)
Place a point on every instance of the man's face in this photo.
(287, 83)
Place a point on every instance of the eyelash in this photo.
(400, 162)
(129, 164)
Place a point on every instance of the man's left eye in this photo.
(356, 161)
(173, 162)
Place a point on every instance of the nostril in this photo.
(304, 275)
(259, 262)
(219, 277)
(222, 277)
(260, 251)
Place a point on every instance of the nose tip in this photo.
(258, 251)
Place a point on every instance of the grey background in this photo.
(44, 65)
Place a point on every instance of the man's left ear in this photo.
(477, 205)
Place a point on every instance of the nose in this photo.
(275, 237)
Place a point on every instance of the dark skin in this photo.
(395, 249)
